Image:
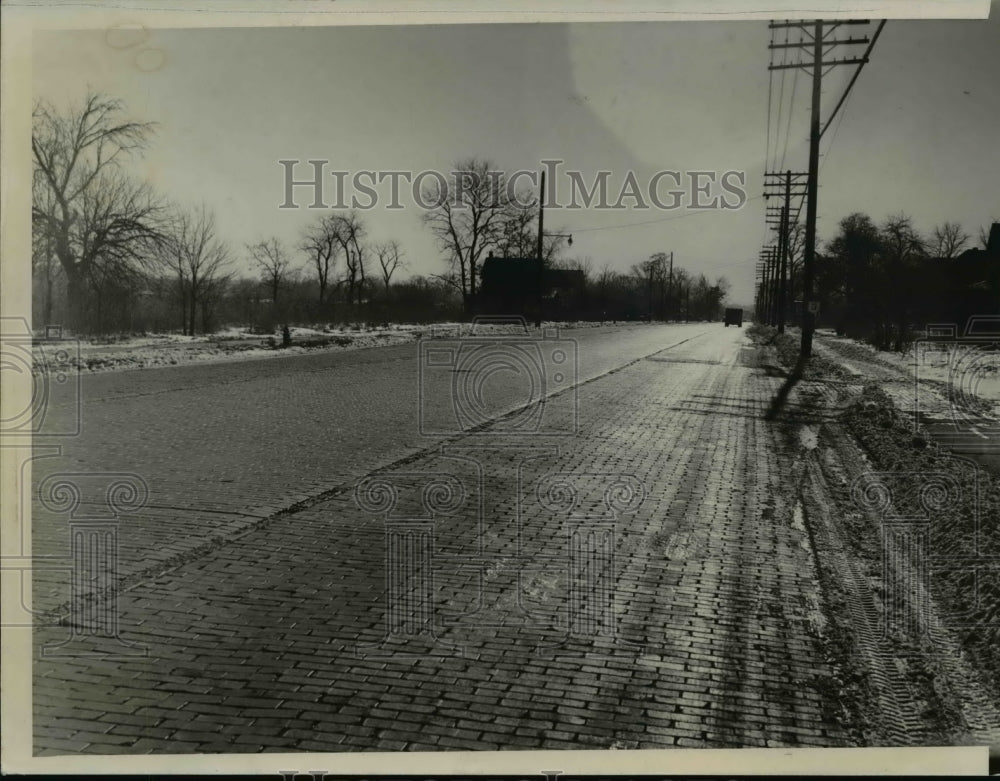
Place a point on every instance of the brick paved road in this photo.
(222, 446)
(641, 584)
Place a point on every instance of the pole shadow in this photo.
(781, 398)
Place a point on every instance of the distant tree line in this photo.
(882, 283)
(483, 219)
(647, 291)
(110, 254)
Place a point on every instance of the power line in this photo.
(788, 126)
(781, 103)
(814, 59)
(652, 222)
(770, 88)
(854, 78)
(833, 136)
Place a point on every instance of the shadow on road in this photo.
(778, 402)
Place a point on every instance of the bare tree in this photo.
(584, 264)
(44, 264)
(199, 259)
(467, 219)
(270, 258)
(390, 259)
(349, 231)
(120, 229)
(645, 274)
(173, 257)
(901, 241)
(948, 240)
(80, 196)
(605, 279)
(321, 243)
(984, 233)
(901, 246)
(518, 236)
(214, 290)
(514, 238)
(796, 252)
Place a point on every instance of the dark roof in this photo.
(993, 242)
(518, 271)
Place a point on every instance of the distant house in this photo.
(510, 286)
(952, 290)
(993, 242)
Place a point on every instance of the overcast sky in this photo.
(918, 133)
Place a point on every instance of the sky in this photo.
(918, 133)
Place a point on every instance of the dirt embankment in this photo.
(903, 534)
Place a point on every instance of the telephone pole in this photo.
(762, 290)
(786, 235)
(784, 184)
(767, 257)
(808, 322)
(759, 279)
(541, 270)
(670, 281)
(814, 43)
(782, 276)
(775, 283)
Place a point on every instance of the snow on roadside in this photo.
(934, 374)
(239, 344)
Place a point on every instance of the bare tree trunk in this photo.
(75, 304)
(193, 302)
(48, 281)
(361, 287)
(182, 297)
(465, 287)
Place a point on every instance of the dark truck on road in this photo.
(734, 317)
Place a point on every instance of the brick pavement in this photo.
(223, 445)
(286, 638)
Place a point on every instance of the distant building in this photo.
(510, 286)
(952, 290)
(993, 242)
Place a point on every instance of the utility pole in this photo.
(649, 286)
(775, 284)
(783, 253)
(763, 292)
(541, 269)
(762, 257)
(759, 298)
(808, 322)
(815, 69)
(670, 281)
(779, 287)
(767, 286)
(767, 258)
(770, 256)
(784, 184)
